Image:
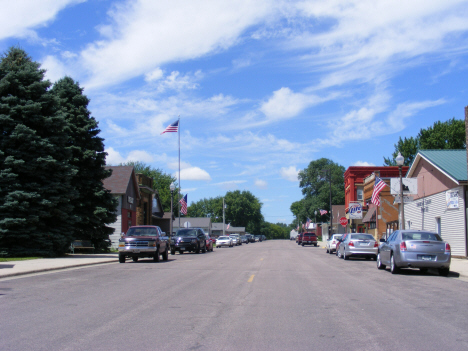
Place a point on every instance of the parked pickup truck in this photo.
(309, 239)
(144, 241)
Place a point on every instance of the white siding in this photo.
(117, 225)
(452, 220)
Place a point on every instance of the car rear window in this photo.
(187, 232)
(421, 236)
(362, 237)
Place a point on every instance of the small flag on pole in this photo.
(172, 128)
(379, 184)
(322, 212)
(228, 226)
(307, 223)
(183, 202)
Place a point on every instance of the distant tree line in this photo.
(51, 163)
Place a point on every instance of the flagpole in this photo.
(179, 171)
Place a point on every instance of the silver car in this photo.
(414, 249)
(331, 243)
(359, 245)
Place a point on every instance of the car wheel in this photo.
(156, 256)
(393, 267)
(122, 258)
(198, 249)
(379, 263)
(181, 252)
(165, 255)
(338, 254)
(302, 244)
(172, 252)
(344, 256)
(135, 259)
(444, 271)
(328, 251)
(315, 245)
(331, 252)
(204, 249)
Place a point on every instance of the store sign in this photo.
(451, 198)
(410, 186)
(355, 210)
(130, 199)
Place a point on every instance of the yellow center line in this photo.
(251, 278)
(261, 259)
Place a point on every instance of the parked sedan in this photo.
(244, 239)
(331, 243)
(415, 249)
(209, 243)
(358, 245)
(224, 241)
(338, 242)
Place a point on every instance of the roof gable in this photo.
(118, 182)
(452, 163)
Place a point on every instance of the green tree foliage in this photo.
(244, 210)
(36, 191)
(94, 207)
(316, 189)
(212, 207)
(275, 231)
(408, 148)
(161, 183)
(442, 135)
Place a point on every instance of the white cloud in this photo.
(55, 68)
(127, 50)
(154, 75)
(230, 184)
(17, 18)
(194, 173)
(363, 164)
(114, 157)
(286, 104)
(289, 173)
(261, 184)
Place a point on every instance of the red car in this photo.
(209, 243)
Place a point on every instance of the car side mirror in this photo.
(163, 233)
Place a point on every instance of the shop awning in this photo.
(370, 215)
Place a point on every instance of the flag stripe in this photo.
(183, 202)
(379, 185)
(172, 128)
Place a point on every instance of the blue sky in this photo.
(262, 87)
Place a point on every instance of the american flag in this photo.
(228, 226)
(322, 212)
(307, 223)
(172, 128)
(379, 184)
(183, 202)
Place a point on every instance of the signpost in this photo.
(406, 199)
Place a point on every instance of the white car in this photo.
(224, 241)
(331, 243)
(236, 239)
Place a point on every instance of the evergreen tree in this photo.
(95, 206)
(36, 194)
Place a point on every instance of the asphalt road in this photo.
(273, 295)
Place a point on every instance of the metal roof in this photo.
(450, 162)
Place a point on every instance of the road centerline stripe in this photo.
(251, 278)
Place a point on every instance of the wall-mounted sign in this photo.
(355, 210)
(410, 186)
(130, 199)
(406, 199)
(451, 198)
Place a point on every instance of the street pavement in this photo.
(268, 296)
(458, 267)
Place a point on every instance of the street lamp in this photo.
(315, 212)
(330, 228)
(172, 187)
(400, 161)
(224, 207)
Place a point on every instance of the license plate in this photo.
(182, 249)
(426, 258)
(136, 251)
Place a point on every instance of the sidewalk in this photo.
(14, 268)
(457, 265)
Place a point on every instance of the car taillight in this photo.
(403, 246)
(333, 242)
(447, 247)
(376, 244)
(351, 244)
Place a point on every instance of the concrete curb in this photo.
(41, 270)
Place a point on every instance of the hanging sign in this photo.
(355, 210)
(451, 198)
